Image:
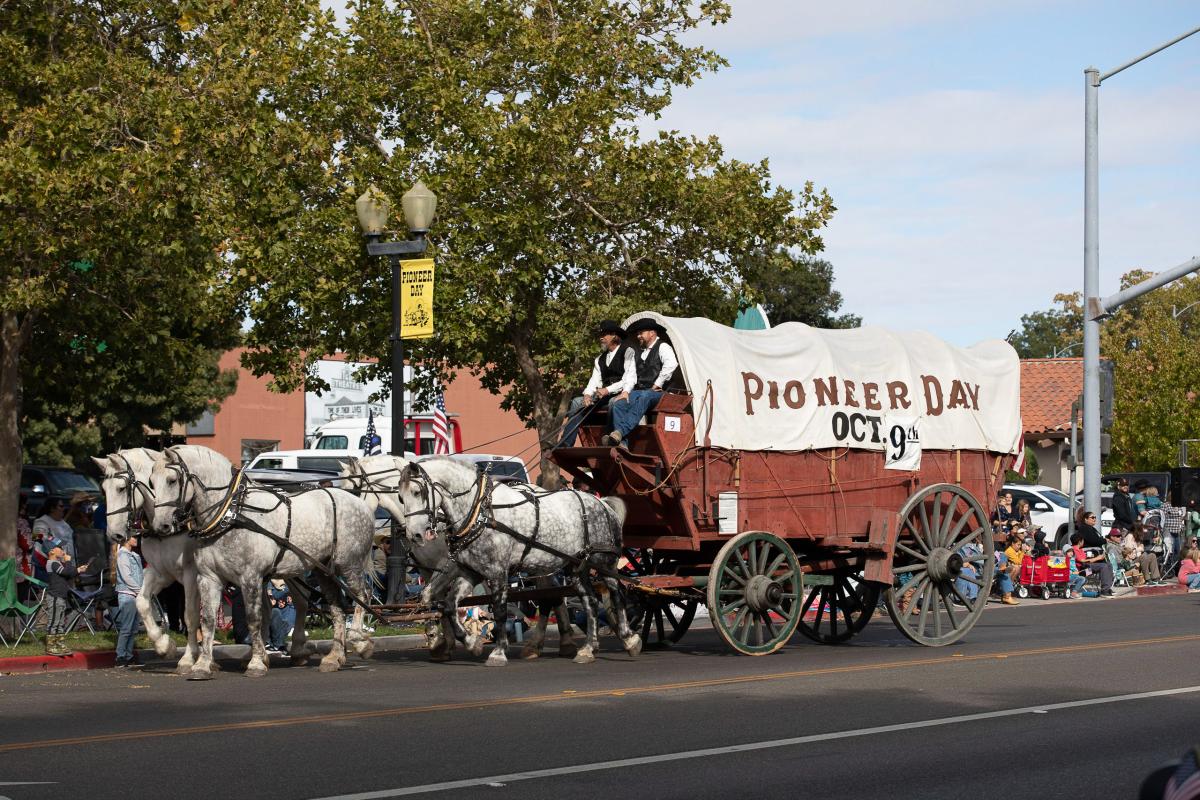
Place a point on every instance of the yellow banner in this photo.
(416, 298)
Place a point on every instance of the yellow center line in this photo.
(584, 695)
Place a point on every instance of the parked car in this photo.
(295, 479)
(40, 483)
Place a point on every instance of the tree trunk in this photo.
(544, 418)
(12, 341)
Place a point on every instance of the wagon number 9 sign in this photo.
(902, 445)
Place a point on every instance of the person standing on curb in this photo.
(1124, 511)
(129, 583)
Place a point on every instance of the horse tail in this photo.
(618, 508)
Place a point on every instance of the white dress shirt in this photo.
(628, 375)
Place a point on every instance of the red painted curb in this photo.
(1167, 588)
(85, 659)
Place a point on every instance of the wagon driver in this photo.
(656, 363)
(613, 374)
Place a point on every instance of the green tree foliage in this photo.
(554, 211)
(1058, 331)
(796, 289)
(1156, 393)
(150, 152)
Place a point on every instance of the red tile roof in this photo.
(1048, 387)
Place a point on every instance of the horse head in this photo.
(125, 477)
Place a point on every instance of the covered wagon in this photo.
(791, 477)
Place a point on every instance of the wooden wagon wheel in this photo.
(840, 609)
(754, 591)
(667, 617)
(944, 537)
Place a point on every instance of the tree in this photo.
(1045, 334)
(150, 151)
(796, 289)
(1156, 364)
(554, 211)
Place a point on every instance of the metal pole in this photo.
(397, 556)
(1091, 289)
(1107, 305)
(1073, 463)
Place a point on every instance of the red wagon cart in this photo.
(1044, 576)
(791, 476)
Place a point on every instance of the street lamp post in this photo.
(372, 207)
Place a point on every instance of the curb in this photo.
(105, 659)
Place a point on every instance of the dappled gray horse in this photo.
(240, 540)
(563, 531)
(125, 478)
(376, 479)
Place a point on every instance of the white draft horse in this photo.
(496, 531)
(248, 533)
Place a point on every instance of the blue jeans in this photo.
(1193, 581)
(968, 590)
(1077, 582)
(626, 414)
(282, 621)
(127, 626)
(576, 415)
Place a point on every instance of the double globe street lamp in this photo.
(419, 205)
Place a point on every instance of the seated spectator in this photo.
(1078, 579)
(1003, 517)
(1189, 568)
(967, 590)
(1015, 552)
(52, 525)
(283, 614)
(1134, 547)
(1115, 553)
(1087, 526)
(1022, 515)
(1096, 564)
(1004, 580)
(1040, 548)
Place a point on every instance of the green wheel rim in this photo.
(755, 589)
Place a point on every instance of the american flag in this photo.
(441, 427)
(1019, 465)
(371, 442)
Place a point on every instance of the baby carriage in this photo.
(1044, 576)
(1161, 541)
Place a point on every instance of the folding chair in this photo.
(24, 615)
(82, 606)
(1119, 576)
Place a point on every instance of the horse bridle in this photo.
(132, 487)
(435, 493)
(187, 479)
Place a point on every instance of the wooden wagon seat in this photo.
(675, 386)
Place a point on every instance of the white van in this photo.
(347, 433)
(503, 468)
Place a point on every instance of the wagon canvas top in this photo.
(794, 387)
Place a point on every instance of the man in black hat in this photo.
(656, 363)
(614, 373)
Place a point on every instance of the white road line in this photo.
(748, 747)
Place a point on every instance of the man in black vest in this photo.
(1124, 511)
(656, 363)
(614, 374)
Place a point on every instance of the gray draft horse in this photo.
(333, 527)
(568, 525)
(447, 582)
(126, 483)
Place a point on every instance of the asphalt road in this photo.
(1057, 701)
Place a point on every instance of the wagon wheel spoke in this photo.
(908, 568)
(908, 550)
(935, 526)
(916, 536)
(949, 606)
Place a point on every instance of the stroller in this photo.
(1164, 544)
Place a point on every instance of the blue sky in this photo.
(950, 135)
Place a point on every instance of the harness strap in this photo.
(537, 523)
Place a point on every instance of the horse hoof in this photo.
(200, 675)
(330, 666)
(165, 647)
(568, 650)
(255, 672)
(475, 648)
(365, 649)
(530, 653)
(497, 659)
(633, 645)
(184, 669)
(583, 657)
(300, 660)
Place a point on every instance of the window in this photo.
(503, 469)
(69, 482)
(333, 443)
(253, 448)
(1057, 498)
(331, 464)
(269, 463)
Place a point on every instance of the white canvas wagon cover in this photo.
(794, 387)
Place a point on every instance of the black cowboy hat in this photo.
(646, 324)
(609, 326)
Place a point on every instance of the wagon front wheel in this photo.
(944, 545)
(755, 591)
(833, 613)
